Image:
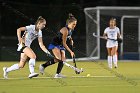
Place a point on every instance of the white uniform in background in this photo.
(112, 34)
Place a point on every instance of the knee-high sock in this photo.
(31, 65)
(59, 67)
(115, 59)
(48, 63)
(12, 68)
(110, 61)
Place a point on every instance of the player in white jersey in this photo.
(31, 32)
(112, 32)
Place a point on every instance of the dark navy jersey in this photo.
(58, 39)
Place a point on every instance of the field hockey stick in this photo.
(72, 48)
(77, 70)
(74, 62)
(118, 39)
(68, 65)
(103, 37)
(76, 66)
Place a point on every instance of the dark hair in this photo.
(40, 19)
(70, 19)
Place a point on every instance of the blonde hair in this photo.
(113, 19)
(40, 19)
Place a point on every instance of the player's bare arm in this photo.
(19, 30)
(42, 46)
(65, 33)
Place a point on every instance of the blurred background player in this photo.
(31, 32)
(112, 32)
(58, 46)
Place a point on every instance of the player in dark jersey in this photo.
(59, 45)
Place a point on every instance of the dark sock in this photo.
(59, 67)
(48, 63)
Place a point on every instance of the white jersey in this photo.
(31, 34)
(112, 34)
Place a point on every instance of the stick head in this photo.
(78, 72)
(93, 34)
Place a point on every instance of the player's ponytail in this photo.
(40, 19)
(70, 19)
(71, 15)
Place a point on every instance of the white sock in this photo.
(115, 59)
(13, 67)
(31, 65)
(110, 61)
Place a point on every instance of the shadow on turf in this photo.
(3, 92)
(59, 80)
(120, 76)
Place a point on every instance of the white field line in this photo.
(107, 85)
(92, 76)
(66, 77)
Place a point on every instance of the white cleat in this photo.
(33, 75)
(5, 74)
(59, 76)
(41, 69)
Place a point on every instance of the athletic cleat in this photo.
(5, 74)
(41, 69)
(33, 75)
(59, 76)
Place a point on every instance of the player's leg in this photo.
(51, 61)
(46, 64)
(60, 64)
(29, 52)
(114, 54)
(17, 66)
(109, 57)
(60, 54)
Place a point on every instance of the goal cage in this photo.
(128, 20)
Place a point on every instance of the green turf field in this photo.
(125, 79)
